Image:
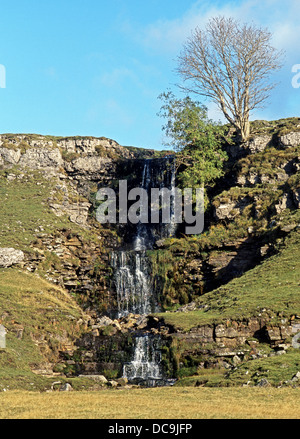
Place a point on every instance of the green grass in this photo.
(280, 126)
(25, 211)
(157, 403)
(46, 313)
(277, 369)
(273, 285)
(24, 208)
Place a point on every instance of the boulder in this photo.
(11, 156)
(112, 383)
(66, 388)
(296, 377)
(259, 143)
(10, 256)
(291, 139)
(122, 381)
(296, 341)
(286, 202)
(104, 321)
(263, 383)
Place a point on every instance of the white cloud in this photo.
(168, 36)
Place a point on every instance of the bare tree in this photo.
(230, 63)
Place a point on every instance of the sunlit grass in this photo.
(156, 403)
(274, 285)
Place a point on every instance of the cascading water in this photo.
(145, 366)
(132, 282)
(132, 271)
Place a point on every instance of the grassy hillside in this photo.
(272, 285)
(25, 210)
(41, 320)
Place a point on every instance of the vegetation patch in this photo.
(272, 285)
(39, 318)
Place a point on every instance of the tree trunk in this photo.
(244, 131)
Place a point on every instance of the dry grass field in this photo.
(155, 403)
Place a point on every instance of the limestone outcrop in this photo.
(85, 156)
(10, 256)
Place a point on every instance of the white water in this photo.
(132, 282)
(146, 361)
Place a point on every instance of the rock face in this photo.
(79, 266)
(231, 342)
(290, 139)
(10, 256)
(78, 156)
(259, 143)
(77, 213)
(41, 158)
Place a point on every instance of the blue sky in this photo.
(96, 67)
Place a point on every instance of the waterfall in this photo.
(132, 273)
(132, 270)
(145, 366)
(141, 241)
(132, 282)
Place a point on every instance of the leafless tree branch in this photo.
(230, 63)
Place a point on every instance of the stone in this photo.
(142, 322)
(112, 383)
(282, 347)
(66, 388)
(56, 385)
(39, 158)
(160, 243)
(77, 213)
(296, 341)
(10, 256)
(273, 334)
(98, 378)
(225, 211)
(295, 326)
(296, 377)
(286, 202)
(104, 321)
(189, 307)
(291, 139)
(222, 331)
(117, 325)
(11, 156)
(236, 360)
(296, 198)
(259, 143)
(263, 383)
(122, 381)
(2, 337)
